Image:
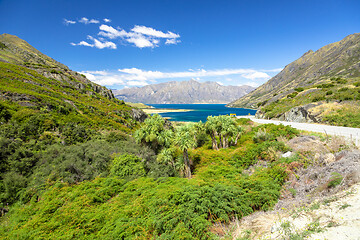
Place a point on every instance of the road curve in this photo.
(351, 134)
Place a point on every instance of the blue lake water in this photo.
(200, 111)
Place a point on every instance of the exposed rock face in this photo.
(337, 59)
(301, 114)
(139, 115)
(183, 92)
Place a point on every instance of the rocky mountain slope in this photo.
(339, 59)
(32, 80)
(185, 92)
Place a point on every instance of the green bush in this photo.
(299, 89)
(329, 93)
(127, 166)
(335, 180)
(318, 99)
(292, 95)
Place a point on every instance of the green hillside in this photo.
(328, 77)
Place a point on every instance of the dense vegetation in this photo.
(110, 187)
(340, 98)
(75, 164)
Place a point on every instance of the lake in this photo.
(200, 111)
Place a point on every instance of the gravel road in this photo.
(351, 134)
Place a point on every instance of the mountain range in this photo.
(186, 92)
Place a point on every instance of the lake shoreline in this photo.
(164, 110)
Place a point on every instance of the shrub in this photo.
(357, 84)
(343, 89)
(335, 180)
(325, 85)
(127, 165)
(261, 136)
(318, 99)
(329, 92)
(292, 95)
(299, 89)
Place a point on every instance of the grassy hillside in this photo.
(339, 59)
(22, 88)
(334, 101)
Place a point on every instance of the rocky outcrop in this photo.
(139, 115)
(300, 114)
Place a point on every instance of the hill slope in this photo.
(34, 81)
(321, 86)
(341, 59)
(183, 92)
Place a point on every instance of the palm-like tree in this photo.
(185, 140)
(211, 129)
(154, 134)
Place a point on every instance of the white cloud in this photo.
(139, 77)
(110, 32)
(139, 36)
(138, 74)
(87, 21)
(67, 22)
(171, 41)
(140, 41)
(96, 43)
(251, 84)
(220, 83)
(154, 33)
(107, 20)
(136, 83)
(256, 75)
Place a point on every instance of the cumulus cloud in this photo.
(96, 43)
(139, 36)
(154, 33)
(87, 21)
(68, 22)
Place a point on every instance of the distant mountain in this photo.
(185, 92)
(339, 59)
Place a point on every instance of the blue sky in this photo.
(133, 43)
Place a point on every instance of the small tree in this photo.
(223, 128)
(154, 134)
(184, 139)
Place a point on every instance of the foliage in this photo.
(223, 130)
(126, 166)
(335, 179)
(292, 95)
(154, 134)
